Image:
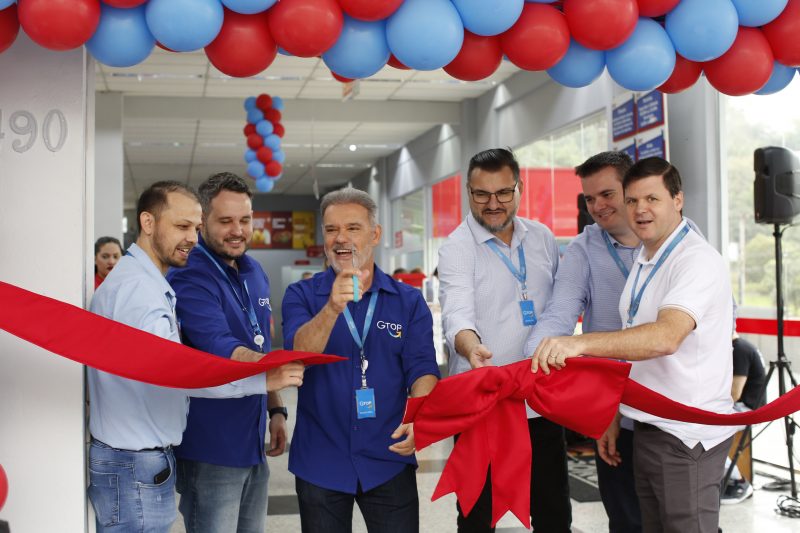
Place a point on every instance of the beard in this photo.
(495, 228)
(162, 250)
(218, 247)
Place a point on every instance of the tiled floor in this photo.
(753, 515)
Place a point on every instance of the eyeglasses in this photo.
(483, 197)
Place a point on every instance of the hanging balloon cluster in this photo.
(264, 132)
(742, 46)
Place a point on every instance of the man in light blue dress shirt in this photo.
(134, 425)
(496, 273)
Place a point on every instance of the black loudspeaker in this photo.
(584, 218)
(776, 189)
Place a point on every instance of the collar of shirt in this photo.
(615, 242)
(481, 234)
(150, 268)
(653, 260)
(380, 281)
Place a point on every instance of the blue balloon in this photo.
(361, 49)
(248, 7)
(278, 156)
(579, 67)
(255, 169)
(6, 3)
(184, 25)
(122, 38)
(425, 34)
(780, 78)
(489, 18)
(645, 60)
(249, 155)
(264, 127)
(273, 142)
(755, 13)
(264, 184)
(702, 30)
(254, 116)
(541, 1)
(249, 103)
(277, 103)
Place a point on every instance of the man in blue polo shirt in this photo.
(224, 309)
(348, 445)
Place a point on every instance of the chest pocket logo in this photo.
(394, 330)
(265, 302)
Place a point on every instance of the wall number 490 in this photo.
(25, 130)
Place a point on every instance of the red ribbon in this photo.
(113, 347)
(487, 407)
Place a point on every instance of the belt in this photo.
(157, 449)
(641, 426)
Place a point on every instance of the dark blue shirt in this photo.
(331, 447)
(222, 432)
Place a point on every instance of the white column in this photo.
(46, 179)
(109, 165)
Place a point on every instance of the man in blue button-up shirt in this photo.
(223, 307)
(134, 425)
(348, 444)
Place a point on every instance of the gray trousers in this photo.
(678, 487)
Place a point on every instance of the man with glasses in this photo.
(496, 274)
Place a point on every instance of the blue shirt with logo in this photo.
(331, 447)
(228, 432)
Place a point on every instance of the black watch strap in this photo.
(279, 410)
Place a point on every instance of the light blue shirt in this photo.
(128, 414)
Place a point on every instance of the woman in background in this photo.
(107, 251)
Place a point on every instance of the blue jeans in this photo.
(123, 493)
(389, 508)
(222, 499)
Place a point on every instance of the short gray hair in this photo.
(350, 195)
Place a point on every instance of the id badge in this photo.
(528, 312)
(365, 403)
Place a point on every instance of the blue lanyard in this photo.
(521, 274)
(248, 309)
(361, 339)
(612, 251)
(635, 301)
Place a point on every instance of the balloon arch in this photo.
(742, 46)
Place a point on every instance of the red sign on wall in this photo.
(446, 206)
(550, 196)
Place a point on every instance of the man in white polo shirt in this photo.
(676, 310)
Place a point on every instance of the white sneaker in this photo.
(737, 491)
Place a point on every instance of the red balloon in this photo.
(124, 3)
(9, 29)
(255, 141)
(478, 58)
(745, 67)
(273, 115)
(264, 154)
(59, 24)
(782, 34)
(264, 102)
(306, 28)
(685, 74)
(165, 48)
(370, 9)
(279, 130)
(249, 130)
(539, 38)
(656, 8)
(601, 24)
(3, 482)
(394, 62)
(341, 78)
(273, 169)
(244, 46)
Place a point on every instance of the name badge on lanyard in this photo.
(526, 306)
(365, 396)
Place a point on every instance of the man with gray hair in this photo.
(349, 444)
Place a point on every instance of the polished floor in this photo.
(756, 514)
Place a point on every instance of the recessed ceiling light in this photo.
(353, 147)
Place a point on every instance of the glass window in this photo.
(408, 238)
(752, 122)
(550, 186)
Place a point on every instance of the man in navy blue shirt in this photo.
(224, 309)
(349, 444)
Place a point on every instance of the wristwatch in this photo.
(279, 411)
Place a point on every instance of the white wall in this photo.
(47, 208)
(109, 165)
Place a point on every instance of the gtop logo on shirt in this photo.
(265, 302)
(395, 330)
